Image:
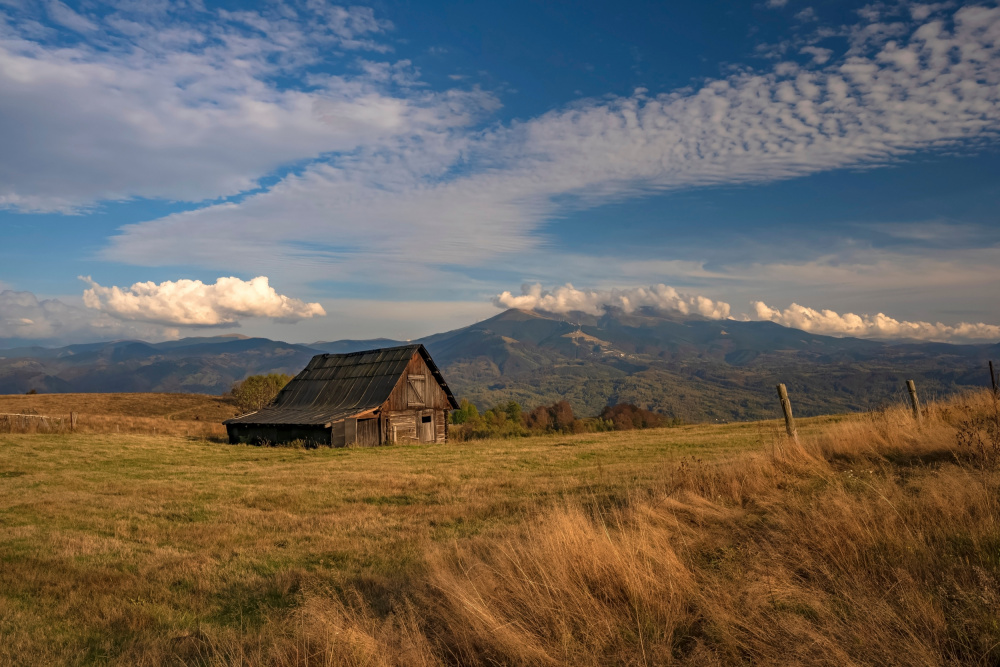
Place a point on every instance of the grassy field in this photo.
(875, 542)
(198, 415)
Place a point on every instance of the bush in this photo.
(256, 391)
(502, 421)
(556, 417)
(466, 412)
(626, 417)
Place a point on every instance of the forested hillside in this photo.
(682, 366)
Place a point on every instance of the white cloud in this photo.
(414, 188)
(193, 303)
(774, 4)
(806, 15)
(567, 299)
(819, 55)
(63, 15)
(26, 318)
(396, 213)
(832, 323)
(920, 12)
(185, 106)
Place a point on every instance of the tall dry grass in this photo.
(875, 542)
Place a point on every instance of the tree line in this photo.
(509, 420)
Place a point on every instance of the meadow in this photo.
(874, 541)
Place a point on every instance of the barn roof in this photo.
(335, 386)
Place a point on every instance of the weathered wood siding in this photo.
(434, 396)
(404, 413)
(409, 425)
(440, 426)
(402, 426)
(368, 433)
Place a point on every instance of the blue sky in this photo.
(396, 169)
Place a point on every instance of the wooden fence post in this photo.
(993, 381)
(912, 388)
(72, 421)
(786, 407)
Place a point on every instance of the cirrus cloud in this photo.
(192, 303)
(184, 104)
(466, 197)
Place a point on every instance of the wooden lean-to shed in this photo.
(375, 397)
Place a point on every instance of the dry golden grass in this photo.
(197, 415)
(875, 542)
(202, 407)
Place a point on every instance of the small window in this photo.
(426, 420)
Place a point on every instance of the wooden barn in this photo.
(376, 397)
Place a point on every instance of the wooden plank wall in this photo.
(368, 435)
(402, 425)
(434, 398)
(440, 432)
(407, 422)
(404, 418)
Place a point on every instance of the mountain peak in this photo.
(516, 315)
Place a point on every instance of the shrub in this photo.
(466, 412)
(502, 421)
(626, 417)
(256, 391)
(556, 417)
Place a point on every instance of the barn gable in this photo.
(375, 396)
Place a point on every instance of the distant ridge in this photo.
(684, 366)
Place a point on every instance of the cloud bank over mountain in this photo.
(567, 299)
(871, 326)
(192, 303)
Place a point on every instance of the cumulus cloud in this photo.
(464, 198)
(832, 323)
(192, 303)
(567, 299)
(24, 318)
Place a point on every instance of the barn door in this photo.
(415, 387)
(427, 428)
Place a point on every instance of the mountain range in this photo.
(680, 365)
